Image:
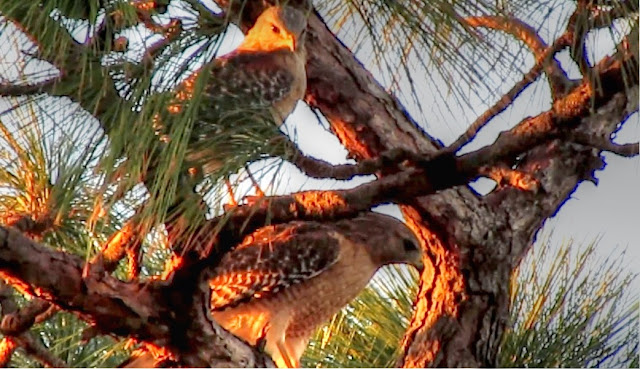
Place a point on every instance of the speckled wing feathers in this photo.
(270, 260)
(253, 80)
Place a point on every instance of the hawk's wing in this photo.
(272, 259)
(237, 104)
(249, 80)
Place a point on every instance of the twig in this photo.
(588, 17)
(47, 314)
(30, 89)
(604, 144)
(318, 168)
(37, 350)
(17, 322)
(527, 34)
(507, 98)
(255, 183)
(543, 56)
(604, 18)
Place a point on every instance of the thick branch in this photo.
(433, 174)
(363, 127)
(114, 306)
(454, 224)
(150, 312)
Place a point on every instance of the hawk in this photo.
(261, 80)
(283, 281)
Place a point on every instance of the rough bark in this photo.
(471, 243)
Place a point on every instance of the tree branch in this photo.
(15, 325)
(114, 306)
(364, 138)
(433, 173)
(155, 312)
(507, 99)
(529, 36)
(28, 89)
(604, 144)
(18, 322)
(318, 168)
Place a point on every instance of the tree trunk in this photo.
(471, 243)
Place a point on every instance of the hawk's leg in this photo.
(289, 360)
(261, 342)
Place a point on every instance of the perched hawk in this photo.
(283, 281)
(262, 79)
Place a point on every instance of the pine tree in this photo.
(95, 192)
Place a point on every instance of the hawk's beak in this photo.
(416, 261)
(291, 42)
(419, 265)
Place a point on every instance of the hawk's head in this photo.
(278, 27)
(386, 239)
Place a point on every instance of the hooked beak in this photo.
(291, 42)
(417, 262)
(419, 267)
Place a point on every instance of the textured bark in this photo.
(115, 306)
(471, 243)
(368, 121)
(160, 313)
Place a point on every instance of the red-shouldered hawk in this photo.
(263, 78)
(283, 281)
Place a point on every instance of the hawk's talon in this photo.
(261, 343)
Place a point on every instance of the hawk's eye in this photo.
(275, 28)
(409, 245)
